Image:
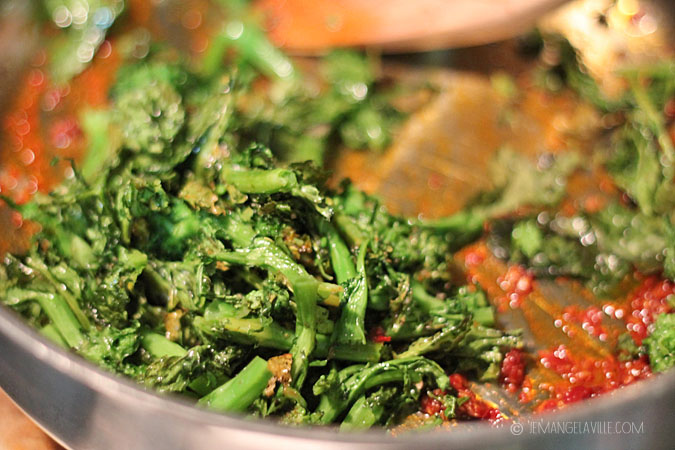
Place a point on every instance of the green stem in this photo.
(340, 256)
(67, 296)
(238, 231)
(427, 302)
(261, 181)
(444, 340)
(484, 315)
(305, 329)
(369, 352)
(397, 370)
(362, 415)
(253, 331)
(52, 333)
(251, 44)
(237, 394)
(349, 229)
(462, 227)
(350, 328)
(264, 253)
(61, 315)
(159, 346)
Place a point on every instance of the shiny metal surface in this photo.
(83, 407)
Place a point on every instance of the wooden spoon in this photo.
(311, 26)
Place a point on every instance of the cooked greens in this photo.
(199, 248)
(187, 257)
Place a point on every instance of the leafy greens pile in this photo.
(182, 254)
(199, 250)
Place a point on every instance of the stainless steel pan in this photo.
(83, 407)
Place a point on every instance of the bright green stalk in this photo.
(159, 346)
(250, 331)
(350, 328)
(362, 415)
(261, 181)
(264, 253)
(204, 384)
(369, 352)
(70, 300)
(251, 43)
(51, 333)
(239, 232)
(237, 394)
(444, 340)
(340, 256)
(484, 315)
(62, 317)
(254, 331)
(305, 329)
(349, 229)
(427, 302)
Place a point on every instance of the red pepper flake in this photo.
(586, 377)
(512, 372)
(459, 382)
(431, 405)
(589, 318)
(377, 335)
(473, 406)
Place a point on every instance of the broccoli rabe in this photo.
(189, 258)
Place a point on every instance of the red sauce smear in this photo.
(585, 377)
(472, 407)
